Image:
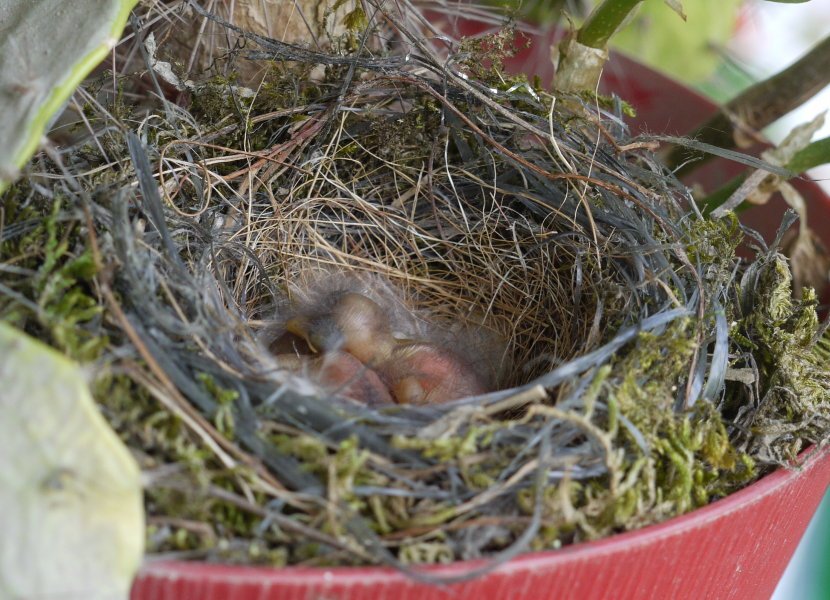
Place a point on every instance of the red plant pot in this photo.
(735, 548)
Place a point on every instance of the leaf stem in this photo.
(604, 21)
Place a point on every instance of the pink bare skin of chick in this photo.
(426, 374)
(415, 373)
(342, 374)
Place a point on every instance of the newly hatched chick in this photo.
(415, 373)
(426, 374)
(341, 374)
(350, 322)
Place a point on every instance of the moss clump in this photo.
(49, 290)
(783, 354)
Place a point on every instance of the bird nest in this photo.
(629, 367)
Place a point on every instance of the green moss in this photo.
(309, 449)
(448, 448)
(355, 20)
(61, 285)
(426, 553)
(791, 364)
(223, 418)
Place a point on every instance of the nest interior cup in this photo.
(734, 548)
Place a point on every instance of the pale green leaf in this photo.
(71, 510)
(47, 47)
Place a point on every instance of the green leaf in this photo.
(70, 493)
(46, 50)
(815, 154)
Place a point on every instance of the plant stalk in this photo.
(760, 105)
(582, 58)
(604, 22)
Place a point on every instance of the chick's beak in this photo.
(321, 333)
(299, 327)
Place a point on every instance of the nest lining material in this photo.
(642, 369)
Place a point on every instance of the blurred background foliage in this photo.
(658, 37)
(736, 43)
